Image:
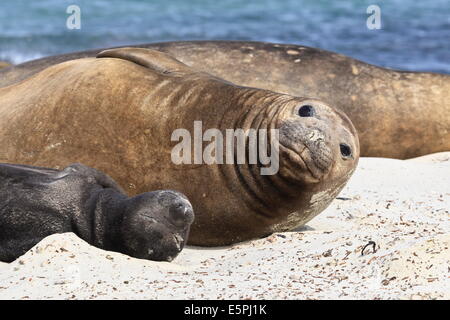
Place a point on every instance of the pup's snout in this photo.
(181, 213)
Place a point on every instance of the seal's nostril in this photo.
(306, 111)
(346, 151)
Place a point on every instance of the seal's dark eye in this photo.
(306, 111)
(346, 151)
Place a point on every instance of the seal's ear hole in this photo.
(346, 151)
(306, 111)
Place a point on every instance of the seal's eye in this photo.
(306, 111)
(346, 151)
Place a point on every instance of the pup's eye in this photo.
(306, 111)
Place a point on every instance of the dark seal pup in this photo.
(398, 114)
(36, 202)
(118, 113)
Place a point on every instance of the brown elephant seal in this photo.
(397, 114)
(36, 202)
(122, 113)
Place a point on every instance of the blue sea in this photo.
(414, 35)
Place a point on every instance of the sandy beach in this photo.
(402, 206)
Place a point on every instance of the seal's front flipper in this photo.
(152, 59)
(101, 178)
(21, 171)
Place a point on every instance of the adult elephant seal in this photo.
(37, 202)
(119, 112)
(397, 114)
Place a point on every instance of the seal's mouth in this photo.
(160, 248)
(305, 151)
(300, 160)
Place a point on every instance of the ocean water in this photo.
(414, 35)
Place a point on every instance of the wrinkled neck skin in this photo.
(272, 196)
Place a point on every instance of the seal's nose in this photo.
(181, 213)
(346, 151)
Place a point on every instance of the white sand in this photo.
(404, 206)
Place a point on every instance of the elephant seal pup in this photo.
(397, 114)
(121, 112)
(37, 202)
